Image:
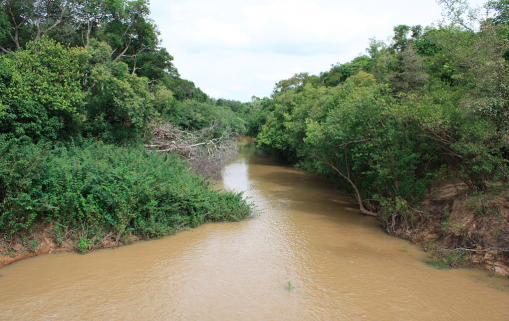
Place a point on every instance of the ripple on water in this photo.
(341, 266)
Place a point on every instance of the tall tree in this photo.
(31, 19)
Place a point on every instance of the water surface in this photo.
(307, 255)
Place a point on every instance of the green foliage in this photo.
(82, 245)
(386, 124)
(500, 9)
(295, 83)
(120, 103)
(4, 25)
(194, 115)
(283, 133)
(256, 114)
(41, 95)
(341, 72)
(50, 92)
(111, 84)
(54, 93)
(77, 69)
(184, 89)
(442, 258)
(350, 133)
(362, 138)
(96, 187)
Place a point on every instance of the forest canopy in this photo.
(431, 103)
(93, 68)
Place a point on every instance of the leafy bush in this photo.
(105, 188)
(40, 91)
(195, 115)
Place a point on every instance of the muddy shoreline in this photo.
(459, 228)
(44, 241)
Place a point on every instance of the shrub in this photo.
(105, 188)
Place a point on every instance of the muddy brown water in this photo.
(307, 255)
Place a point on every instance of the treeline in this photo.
(430, 104)
(93, 68)
(82, 83)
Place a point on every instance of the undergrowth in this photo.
(99, 189)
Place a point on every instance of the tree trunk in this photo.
(362, 209)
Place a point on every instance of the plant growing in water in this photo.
(82, 245)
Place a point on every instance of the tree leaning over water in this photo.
(431, 102)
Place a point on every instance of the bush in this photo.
(103, 188)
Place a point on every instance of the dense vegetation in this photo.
(93, 69)
(79, 79)
(430, 106)
(102, 190)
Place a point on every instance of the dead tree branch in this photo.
(205, 154)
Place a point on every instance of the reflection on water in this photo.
(341, 266)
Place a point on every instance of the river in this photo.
(306, 255)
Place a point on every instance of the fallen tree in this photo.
(205, 154)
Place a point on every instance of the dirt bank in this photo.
(47, 240)
(460, 228)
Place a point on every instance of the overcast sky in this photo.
(235, 49)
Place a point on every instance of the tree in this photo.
(120, 103)
(500, 11)
(41, 95)
(31, 19)
(342, 142)
(341, 72)
(400, 38)
(130, 31)
(294, 83)
(411, 74)
(459, 12)
(283, 133)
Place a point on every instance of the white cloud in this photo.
(300, 26)
(236, 87)
(208, 31)
(235, 49)
(214, 92)
(307, 21)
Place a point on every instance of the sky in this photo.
(236, 49)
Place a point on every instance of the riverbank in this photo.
(340, 265)
(47, 240)
(459, 228)
(89, 196)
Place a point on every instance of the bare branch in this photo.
(5, 50)
(204, 154)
